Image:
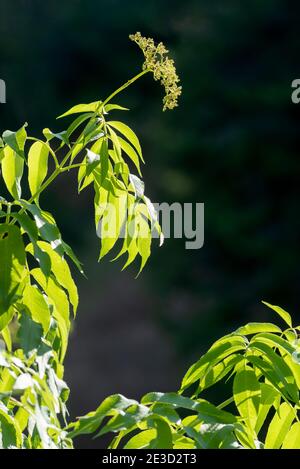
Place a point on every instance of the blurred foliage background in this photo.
(233, 144)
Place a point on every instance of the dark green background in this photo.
(233, 144)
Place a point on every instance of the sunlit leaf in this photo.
(37, 166)
(12, 170)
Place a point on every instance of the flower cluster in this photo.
(161, 66)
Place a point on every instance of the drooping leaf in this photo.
(130, 151)
(13, 272)
(54, 292)
(60, 270)
(129, 134)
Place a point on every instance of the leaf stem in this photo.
(72, 166)
(8, 213)
(123, 87)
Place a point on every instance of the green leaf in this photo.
(219, 371)
(163, 439)
(89, 423)
(37, 306)
(279, 368)
(7, 338)
(112, 222)
(16, 140)
(130, 151)
(30, 333)
(221, 349)
(255, 327)
(206, 411)
(111, 107)
(104, 160)
(37, 166)
(279, 426)
(13, 272)
(54, 292)
(142, 440)
(12, 171)
(77, 122)
(61, 272)
(62, 136)
(268, 398)
(138, 185)
(144, 240)
(69, 251)
(10, 431)
(46, 226)
(292, 439)
(129, 134)
(246, 393)
(125, 420)
(274, 341)
(282, 313)
(81, 108)
(30, 228)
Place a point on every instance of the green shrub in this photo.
(262, 364)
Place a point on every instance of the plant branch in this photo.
(123, 87)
